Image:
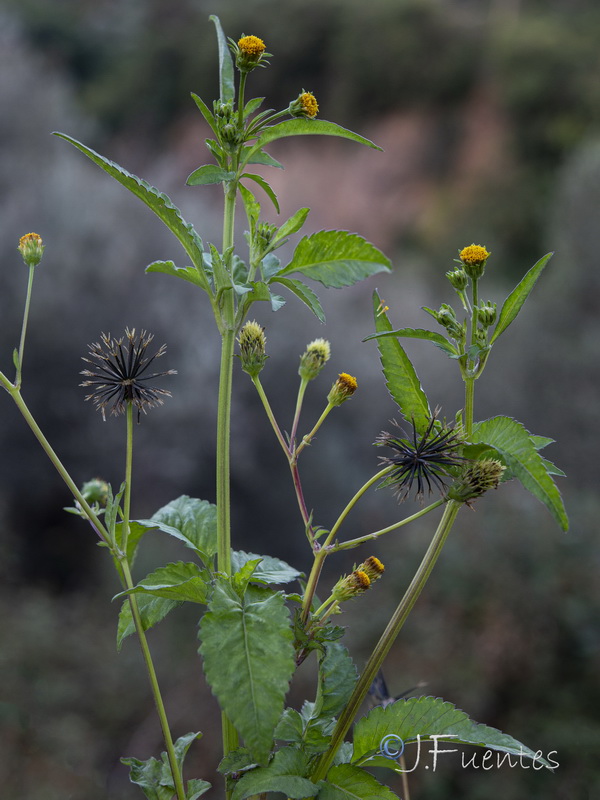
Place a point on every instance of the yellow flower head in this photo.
(342, 389)
(31, 248)
(305, 105)
(473, 259)
(251, 46)
(351, 586)
(373, 568)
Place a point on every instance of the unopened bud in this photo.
(477, 478)
(458, 278)
(95, 492)
(252, 342)
(342, 389)
(31, 249)
(313, 359)
(486, 314)
(351, 586)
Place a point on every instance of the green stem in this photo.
(270, 415)
(24, 327)
(376, 534)
(299, 401)
(158, 701)
(387, 639)
(58, 465)
(469, 405)
(306, 439)
(128, 474)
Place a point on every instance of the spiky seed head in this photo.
(252, 342)
(476, 479)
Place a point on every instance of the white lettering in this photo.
(436, 750)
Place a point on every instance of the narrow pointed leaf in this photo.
(209, 173)
(152, 610)
(158, 202)
(336, 259)
(247, 647)
(264, 186)
(206, 113)
(418, 333)
(253, 105)
(305, 294)
(512, 441)
(292, 225)
(190, 274)
(259, 157)
(422, 718)
(303, 127)
(226, 81)
(514, 301)
(348, 782)
(401, 379)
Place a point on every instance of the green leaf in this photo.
(512, 441)
(514, 301)
(422, 719)
(181, 581)
(136, 531)
(152, 610)
(236, 761)
(336, 259)
(291, 225)
(348, 782)
(253, 105)
(247, 646)
(209, 173)
(401, 379)
(16, 358)
(337, 678)
(284, 774)
(226, 81)
(305, 294)
(418, 333)
(259, 157)
(206, 113)
(301, 127)
(192, 521)
(539, 442)
(277, 302)
(265, 186)
(190, 274)
(270, 569)
(155, 200)
(196, 788)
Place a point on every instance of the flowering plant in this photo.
(253, 635)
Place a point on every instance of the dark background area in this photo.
(488, 116)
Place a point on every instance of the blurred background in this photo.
(488, 113)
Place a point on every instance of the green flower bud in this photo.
(476, 479)
(314, 358)
(31, 249)
(486, 313)
(252, 341)
(459, 279)
(446, 317)
(342, 389)
(351, 586)
(95, 491)
(265, 233)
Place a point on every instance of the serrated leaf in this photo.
(277, 301)
(190, 274)
(255, 635)
(514, 302)
(284, 774)
(270, 569)
(152, 610)
(209, 173)
(420, 719)
(400, 375)
(348, 782)
(336, 259)
(539, 442)
(155, 778)
(226, 81)
(337, 678)
(419, 333)
(269, 266)
(512, 441)
(264, 185)
(195, 788)
(192, 521)
(206, 113)
(305, 293)
(158, 202)
(181, 581)
(253, 105)
(302, 127)
(236, 761)
(292, 225)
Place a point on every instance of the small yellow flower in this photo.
(351, 586)
(342, 389)
(305, 105)
(31, 248)
(473, 259)
(373, 568)
(251, 46)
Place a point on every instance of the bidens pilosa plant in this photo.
(254, 634)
